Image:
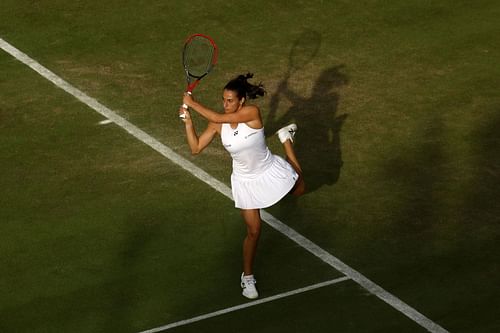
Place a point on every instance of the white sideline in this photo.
(245, 305)
(305, 243)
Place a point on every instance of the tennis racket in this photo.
(199, 57)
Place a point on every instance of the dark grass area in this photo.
(398, 113)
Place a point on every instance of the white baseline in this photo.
(246, 305)
(305, 243)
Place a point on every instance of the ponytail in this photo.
(245, 89)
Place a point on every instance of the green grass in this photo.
(398, 116)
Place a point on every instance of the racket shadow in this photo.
(318, 142)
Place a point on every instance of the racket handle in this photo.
(183, 115)
(185, 107)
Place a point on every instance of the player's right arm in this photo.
(198, 143)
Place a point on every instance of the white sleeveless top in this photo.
(259, 178)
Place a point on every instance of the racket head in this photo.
(199, 56)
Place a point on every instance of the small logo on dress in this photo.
(249, 135)
(235, 133)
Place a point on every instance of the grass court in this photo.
(398, 110)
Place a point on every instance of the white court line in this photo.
(245, 305)
(305, 243)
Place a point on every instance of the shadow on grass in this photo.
(443, 223)
(482, 201)
(317, 145)
(440, 191)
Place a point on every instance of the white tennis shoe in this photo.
(287, 133)
(248, 285)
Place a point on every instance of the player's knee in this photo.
(253, 232)
(299, 191)
(300, 187)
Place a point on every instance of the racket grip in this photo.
(185, 107)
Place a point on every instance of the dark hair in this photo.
(243, 88)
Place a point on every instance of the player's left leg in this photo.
(253, 223)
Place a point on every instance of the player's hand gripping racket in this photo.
(199, 56)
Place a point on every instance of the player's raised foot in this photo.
(287, 133)
(248, 285)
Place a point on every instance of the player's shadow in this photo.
(318, 141)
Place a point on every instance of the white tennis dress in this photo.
(259, 179)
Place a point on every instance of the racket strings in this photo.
(198, 57)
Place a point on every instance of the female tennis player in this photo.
(259, 178)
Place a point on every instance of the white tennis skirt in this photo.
(267, 188)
